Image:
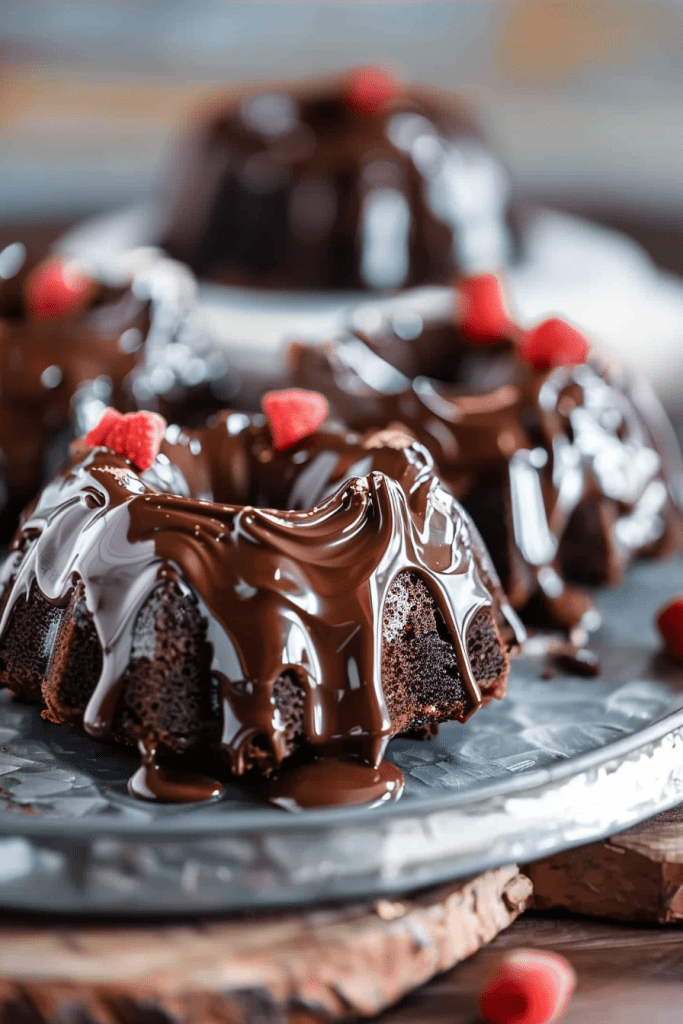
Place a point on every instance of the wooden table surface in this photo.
(626, 974)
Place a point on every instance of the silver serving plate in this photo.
(558, 763)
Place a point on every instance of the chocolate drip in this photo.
(568, 473)
(578, 661)
(283, 592)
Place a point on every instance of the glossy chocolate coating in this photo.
(131, 344)
(292, 188)
(569, 473)
(297, 586)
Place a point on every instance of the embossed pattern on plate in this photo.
(558, 762)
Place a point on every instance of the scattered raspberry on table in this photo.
(528, 987)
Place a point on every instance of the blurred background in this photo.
(583, 97)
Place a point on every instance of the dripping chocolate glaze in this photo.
(128, 345)
(297, 586)
(289, 187)
(569, 473)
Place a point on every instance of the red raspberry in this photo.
(670, 626)
(137, 436)
(369, 90)
(293, 415)
(528, 987)
(108, 421)
(57, 289)
(553, 343)
(482, 313)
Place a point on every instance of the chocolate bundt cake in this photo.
(72, 343)
(566, 463)
(351, 182)
(276, 597)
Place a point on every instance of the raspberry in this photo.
(108, 421)
(57, 289)
(528, 987)
(368, 90)
(553, 343)
(293, 415)
(670, 626)
(137, 436)
(482, 314)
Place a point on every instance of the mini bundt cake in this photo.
(71, 344)
(567, 464)
(350, 182)
(275, 589)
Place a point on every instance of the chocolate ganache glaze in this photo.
(354, 181)
(132, 339)
(312, 603)
(569, 472)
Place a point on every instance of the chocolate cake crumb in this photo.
(420, 671)
(26, 645)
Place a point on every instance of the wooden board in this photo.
(325, 965)
(634, 876)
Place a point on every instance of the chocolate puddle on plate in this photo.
(334, 782)
(159, 783)
(321, 782)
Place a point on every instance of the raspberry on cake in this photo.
(369, 90)
(481, 308)
(56, 288)
(293, 415)
(135, 436)
(566, 463)
(553, 343)
(282, 608)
